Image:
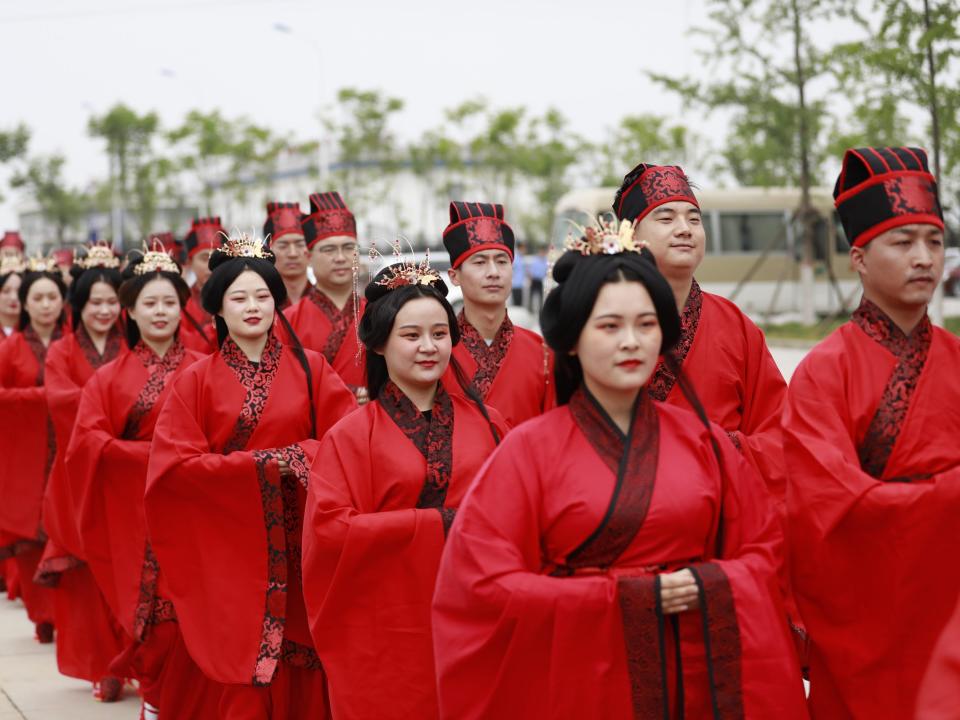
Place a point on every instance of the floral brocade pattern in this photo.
(143, 613)
(636, 476)
(301, 656)
(488, 358)
(639, 609)
(664, 378)
(159, 372)
(434, 439)
(662, 182)
(340, 320)
(93, 356)
(256, 379)
(911, 353)
(722, 640)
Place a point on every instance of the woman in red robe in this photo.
(88, 636)
(107, 458)
(226, 487)
(11, 271)
(26, 435)
(382, 494)
(616, 557)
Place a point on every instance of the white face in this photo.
(200, 264)
(486, 277)
(44, 303)
(248, 307)
(675, 235)
(332, 261)
(102, 309)
(901, 268)
(9, 300)
(619, 346)
(418, 350)
(157, 311)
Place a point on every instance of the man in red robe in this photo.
(508, 366)
(11, 245)
(325, 318)
(720, 350)
(283, 233)
(870, 439)
(197, 330)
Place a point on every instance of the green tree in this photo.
(437, 159)
(13, 144)
(62, 206)
(766, 62)
(643, 138)
(203, 147)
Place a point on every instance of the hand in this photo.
(285, 470)
(678, 592)
(363, 397)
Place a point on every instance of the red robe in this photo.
(197, 330)
(513, 374)
(88, 636)
(546, 604)
(725, 357)
(26, 453)
(870, 438)
(939, 697)
(383, 491)
(330, 331)
(221, 520)
(107, 457)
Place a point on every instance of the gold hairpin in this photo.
(604, 238)
(99, 256)
(241, 245)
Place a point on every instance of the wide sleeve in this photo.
(368, 583)
(509, 640)
(760, 437)
(747, 643)
(109, 474)
(216, 524)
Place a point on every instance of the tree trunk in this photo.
(807, 305)
(936, 304)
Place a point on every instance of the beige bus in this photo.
(752, 244)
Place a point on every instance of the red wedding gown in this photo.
(226, 527)
(383, 491)
(546, 604)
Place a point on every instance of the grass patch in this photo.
(799, 331)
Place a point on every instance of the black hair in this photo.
(568, 306)
(383, 304)
(83, 283)
(224, 270)
(29, 278)
(133, 285)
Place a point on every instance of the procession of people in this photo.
(282, 494)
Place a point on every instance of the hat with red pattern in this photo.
(329, 217)
(882, 188)
(11, 238)
(475, 227)
(205, 234)
(283, 218)
(649, 186)
(167, 241)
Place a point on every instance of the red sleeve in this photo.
(110, 475)
(939, 696)
(368, 583)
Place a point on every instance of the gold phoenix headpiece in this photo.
(406, 272)
(39, 263)
(156, 260)
(99, 256)
(241, 245)
(604, 238)
(12, 265)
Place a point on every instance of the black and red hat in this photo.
(11, 238)
(283, 218)
(649, 186)
(329, 217)
(475, 227)
(167, 241)
(883, 188)
(205, 234)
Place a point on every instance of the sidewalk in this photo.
(32, 689)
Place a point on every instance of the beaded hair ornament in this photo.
(156, 260)
(241, 245)
(99, 256)
(605, 237)
(12, 265)
(39, 263)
